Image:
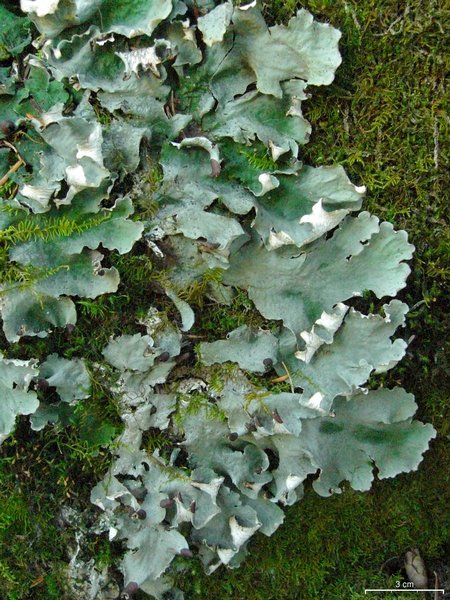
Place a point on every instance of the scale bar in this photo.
(366, 591)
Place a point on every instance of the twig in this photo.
(194, 336)
(12, 170)
(9, 145)
(172, 103)
(436, 143)
(279, 379)
(400, 19)
(436, 585)
(289, 376)
(169, 108)
(15, 166)
(353, 14)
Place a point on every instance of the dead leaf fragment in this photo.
(415, 568)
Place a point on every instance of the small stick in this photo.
(9, 145)
(436, 583)
(169, 109)
(289, 376)
(194, 336)
(279, 379)
(12, 170)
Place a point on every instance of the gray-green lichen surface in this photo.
(216, 96)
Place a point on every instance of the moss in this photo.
(31, 542)
(384, 120)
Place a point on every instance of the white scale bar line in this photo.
(403, 590)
